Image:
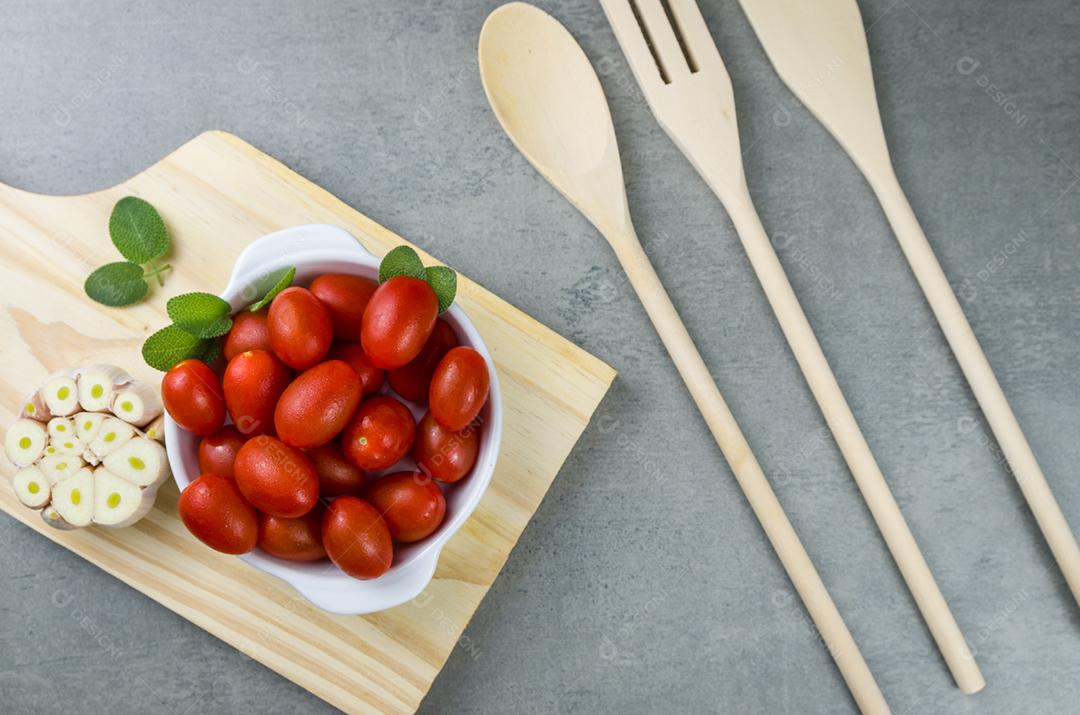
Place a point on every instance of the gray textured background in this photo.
(644, 584)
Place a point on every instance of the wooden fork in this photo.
(676, 63)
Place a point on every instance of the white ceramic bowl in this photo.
(327, 249)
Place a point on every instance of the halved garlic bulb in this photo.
(89, 415)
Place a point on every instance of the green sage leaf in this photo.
(282, 283)
(171, 345)
(137, 230)
(204, 315)
(443, 281)
(117, 284)
(401, 261)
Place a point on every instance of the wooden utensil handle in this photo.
(980, 376)
(905, 551)
(755, 486)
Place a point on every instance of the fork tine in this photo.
(695, 33)
(628, 33)
(664, 41)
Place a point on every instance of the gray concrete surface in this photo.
(644, 583)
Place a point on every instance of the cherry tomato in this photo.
(300, 328)
(459, 388)
(337, 475)
(217, 452)
(276, 478)
(214, 510)
(412, 505)
(192, 394)
(356, 538)
(298, 539)
(445, 455)
(316, 405)
(398, 321)
(412, 380)
(379, 434)
(345, 296)
(351, 353)
(250, 331)
(253, 382)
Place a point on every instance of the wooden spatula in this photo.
(819, 50)
(548, 99)
(683, 78)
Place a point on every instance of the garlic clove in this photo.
(25, 442)
(61, 395)
(59, 467)
(118, 502)
(31, 487)
(112, 434)
(141, 461)
(74, 498)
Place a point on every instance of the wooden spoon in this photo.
(549, 101)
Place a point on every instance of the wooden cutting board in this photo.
(217, 194)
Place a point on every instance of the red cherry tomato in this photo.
(345, 296)
(276, 478)
(412, 505)
(337, 475)
(217, 452)
(379, 434)
(412, 380)
(300, 328)
(356, 538)
(398, 321)
(351, 353)
(298, 539)
(192, 394)
(253, 382)
(316, 405)
(214, 510)
(445, 455)
(459, 388)
(250, 331)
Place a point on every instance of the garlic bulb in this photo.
(82, 458)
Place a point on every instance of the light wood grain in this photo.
(217, 194)
(548, 99)
(820, 51)
(698, 112)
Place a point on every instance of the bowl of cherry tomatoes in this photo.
(340, 443)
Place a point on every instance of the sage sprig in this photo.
(404, 261)
(200, 321)
(140, 235)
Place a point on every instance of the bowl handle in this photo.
(259, 265)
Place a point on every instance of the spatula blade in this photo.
(819, 49)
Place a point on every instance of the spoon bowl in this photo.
(549, 101)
